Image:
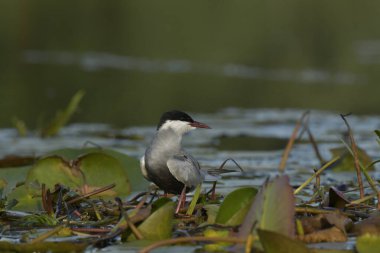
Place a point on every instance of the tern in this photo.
(166, 163)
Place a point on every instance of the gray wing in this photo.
(185, 169)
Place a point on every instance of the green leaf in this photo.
(130, 165)
(61, 118)
(53, 170)
(40, 220)
(272, 209)
(235, 206)
(275, 204)
(14, 176)
(346, 163)
(273, 242)
(25, 200)
(368, 243)
(219, 246)
(160, 203)
(95, 170)
(194, 201)
(159, 224)
(212, 211)
(100, 169)
(3, 185)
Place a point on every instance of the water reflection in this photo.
(94, 61)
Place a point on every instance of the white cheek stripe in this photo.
(180, 127)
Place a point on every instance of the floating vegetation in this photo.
(71, 200)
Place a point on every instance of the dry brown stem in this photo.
(289, 146)
(356, 158)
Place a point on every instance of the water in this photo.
(255, 138)
(136, 59)
(263, 133)
(98, 61)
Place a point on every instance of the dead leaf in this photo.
(338, 220)
(324, 221)
(370, 225)
(337, 198)
(332, 234)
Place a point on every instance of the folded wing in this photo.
(185, 169)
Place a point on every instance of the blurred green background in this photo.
(136, 59)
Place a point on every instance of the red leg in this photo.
(213, 195)
(181, 200)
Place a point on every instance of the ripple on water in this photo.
(255, 138)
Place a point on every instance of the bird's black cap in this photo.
(174, 115)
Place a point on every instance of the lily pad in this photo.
(235, 206)
(130, 165)
(13, 176)
(100, 170)
(26, 201)
(54, 170)
(93, 170)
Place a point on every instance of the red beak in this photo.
(199, 125)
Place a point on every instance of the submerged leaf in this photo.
(235, 206)
(273, 242)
